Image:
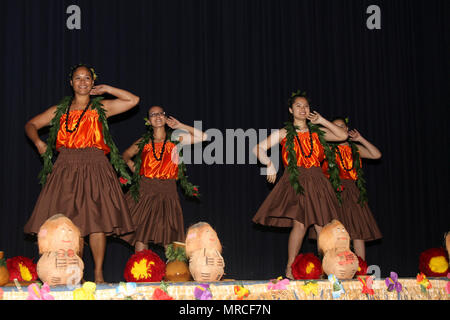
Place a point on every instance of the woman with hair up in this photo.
(354, 212)
(303, 197)
(82, 183)
(153, 199)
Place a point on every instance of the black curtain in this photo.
(233, 64)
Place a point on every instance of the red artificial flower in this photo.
(195, 188)
(22, 269)
(123, 180)
(434, 262)
(362, 267)
(340, 188)
(144, 266)
(241, 292)
(423, 281)
(367, 285)
(306, 266)
(160, 294)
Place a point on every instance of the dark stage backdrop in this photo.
(233, 64)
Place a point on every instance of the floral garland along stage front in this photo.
(420, 288)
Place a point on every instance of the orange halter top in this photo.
(317, 155)
(347, 160)
(167, 168)
(89, 133)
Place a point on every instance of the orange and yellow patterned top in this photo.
(167, 168)
(317, 154)
(89, 133)
(347, 157)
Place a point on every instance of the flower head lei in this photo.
(295, 95)
(91, 69)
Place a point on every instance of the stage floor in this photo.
(257, 290)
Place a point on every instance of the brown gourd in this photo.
(204, 250)
(177, 269)
(59, 246)
(334, 244)
(4, 274)
(201, 235)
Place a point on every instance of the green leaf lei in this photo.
(115, 158)
(333, 171)
(2, 262)
(178, 254)
(360, 181)
(189, 189)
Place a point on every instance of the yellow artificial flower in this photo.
(25, 272)
(142, 269)
(86, 292)
(311, 287)
(241, 292)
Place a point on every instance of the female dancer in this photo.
(303, 196)
(82, 183)
(354, 213)
(153, 198)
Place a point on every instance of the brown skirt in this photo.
(317, 205)
(84, 187)
(357, 219)
(157, 215)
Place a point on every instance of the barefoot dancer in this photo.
(303, 197)
(82, 183)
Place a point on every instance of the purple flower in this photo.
(392, 283)
(202, 292)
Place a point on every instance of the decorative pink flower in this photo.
(278, 284)
(36, 293)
